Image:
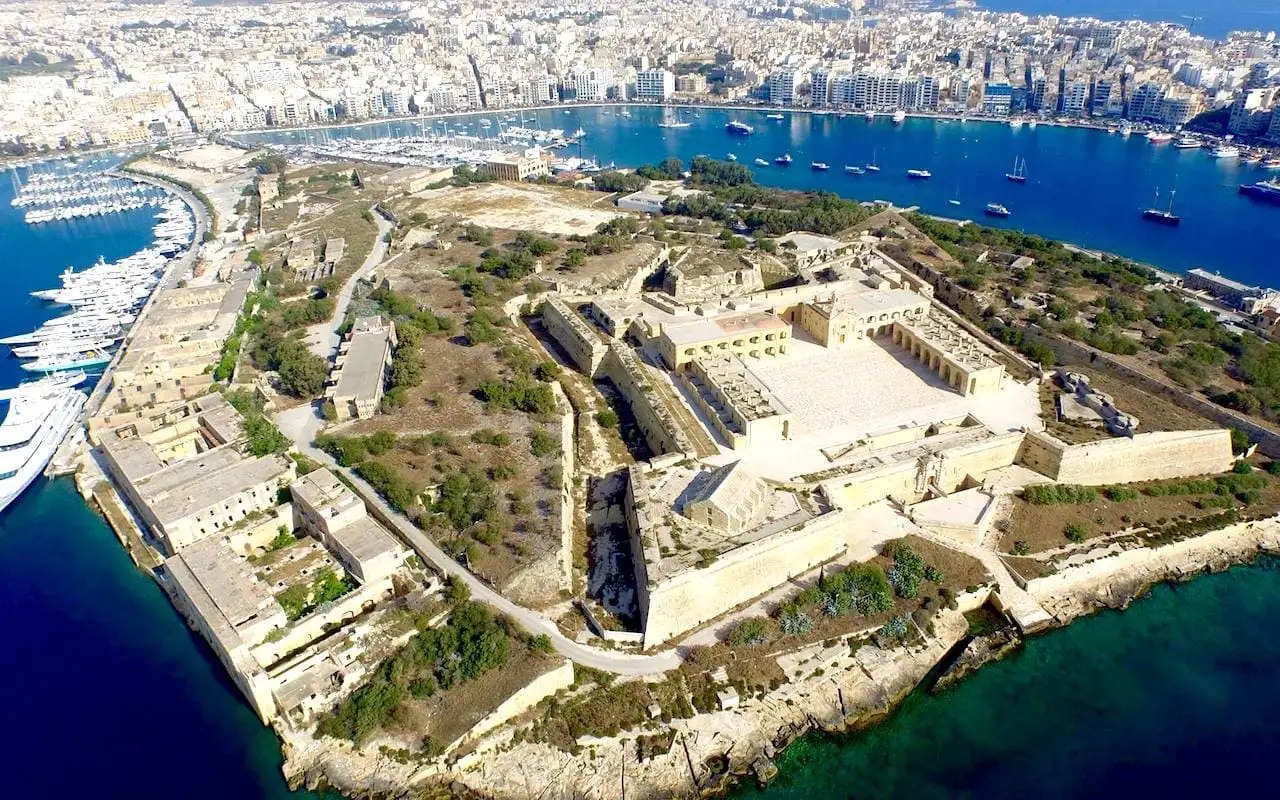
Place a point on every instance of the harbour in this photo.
(1086, 185)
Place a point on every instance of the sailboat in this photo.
(670, 120)
(955, 201)
(1162, 216)
(872, 167)
(1019, 174)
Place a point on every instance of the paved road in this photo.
(323, 338)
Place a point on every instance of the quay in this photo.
(66, 458)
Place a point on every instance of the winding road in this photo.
(301, 425)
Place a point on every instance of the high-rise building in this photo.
(693, 83)
(997, 98)
(1035, 93)
(1101, 96)
(1074, 95)
(1273, 130)
(782, 87)
(1251, 112)
(1145, 103)
(820, 89)
(655, 84)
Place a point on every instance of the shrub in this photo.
(522, 394)
(1021, 548)
(543, 444)
(794, 622)
(750, 631)
(1075, 532)
(1119, 494)
(608, 418)
(1059, 494)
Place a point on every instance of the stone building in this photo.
(709, 274)
(358, 379)
(519, 167)
(331, 512)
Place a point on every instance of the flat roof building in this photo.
(358, 380)
(326, 508)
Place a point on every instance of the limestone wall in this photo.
(699, 595)
(572, 333)
(540, 688)
(662, 431)
(957, 464)
(863, 488)
(567, 472)
(1144, 457)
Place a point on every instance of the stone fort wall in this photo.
(1145, 457)
(696, 596)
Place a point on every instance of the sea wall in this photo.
(540, 688)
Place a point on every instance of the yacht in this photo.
(996, 210)
(873, 167)
(60, 362)
(62, 346)
(819, 166)
(1015, 123)
(1186, 143)
(870, 116)
(899, 117)
(760, 162)
(39, 416)
(1159, 137)
(774, 116)
(672, 121)
(736, 128)
(1162, 216)
(919, 174)
(1266, 191)
(854, 170)
(731, 157)
(1271, 163)
(1225, 151)
(784, 159)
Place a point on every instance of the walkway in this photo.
(323, 337)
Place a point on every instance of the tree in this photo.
(264, 438)
(456, 591)
(302, 373)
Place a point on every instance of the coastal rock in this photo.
(979, 651)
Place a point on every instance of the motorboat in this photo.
(855, 170)
(919, 174)
(819, 166)
(899, 117)
(996, 210)
(1159, 137)
(1225, 151)
(784, 159)
(736, 128)
(760, 162)
(775, 116)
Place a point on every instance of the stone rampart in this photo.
(696, 596)
(663, 431)
(574, 335)
(540, 688)
(1145, 457)
(1268, 439)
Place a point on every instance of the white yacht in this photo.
(39, 415)
(67, 361)
(1225, 151)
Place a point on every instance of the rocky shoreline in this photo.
(844, 691)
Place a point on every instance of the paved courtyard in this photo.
(839, 396)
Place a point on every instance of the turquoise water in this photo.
(1175, 697)
(1085, 186)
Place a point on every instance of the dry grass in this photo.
(545, 209)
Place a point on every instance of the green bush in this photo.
(1059, 494)
(750, 631)
(1075, 532)
(608, 418)
(543, 444)
(1119, 494)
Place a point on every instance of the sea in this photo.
(1084, 186)
(1214, 20)
(111, 695)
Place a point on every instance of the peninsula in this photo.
(476, 481)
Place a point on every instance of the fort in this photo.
(776, 416)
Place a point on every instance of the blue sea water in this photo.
(1085, 186)
(111, 695)
(1174, 698)
(1214, 20)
